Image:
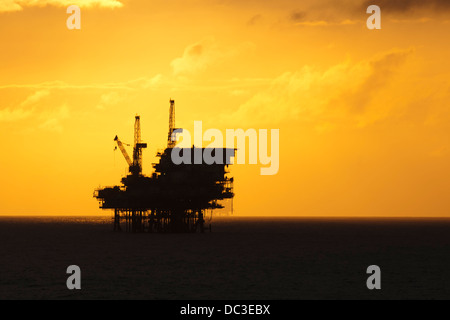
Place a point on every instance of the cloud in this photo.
(354, 93)
(18, 5)
(135, 84)
(35, 98)
(323, 23)
(200, 56)
(254, 20)
(109, 99)
(297, 16)
(25, 109)
(405, 6)
(51, 120)
(146, 82)
(11, 115)
(196, 57)
(324, 13)
(43, 116)
(39, 106)
(9, 6)
(301, 18)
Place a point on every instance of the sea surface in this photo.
(242, 258)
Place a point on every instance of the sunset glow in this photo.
(363, 115)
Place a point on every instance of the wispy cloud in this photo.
(405, 6)
(25, 109)
(201, 55)
(323, 23)
(35, 98)
(18, 5)
(140, 83)
(41, 106)
(109, 99)
(36, 107)
(322, 13)
(325, 13)
(345, 92)
(14, 114)
(9, 6)
(196, 57)
(254, 20)
(52, 120)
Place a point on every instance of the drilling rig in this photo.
(170, 141)
(135, 166)
(175, 197)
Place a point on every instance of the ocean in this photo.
(241, 259)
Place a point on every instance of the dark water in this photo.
(243, 258)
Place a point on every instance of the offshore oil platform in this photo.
(174, 199)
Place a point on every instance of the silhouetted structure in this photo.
(175, 197)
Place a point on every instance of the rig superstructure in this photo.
(175, 197)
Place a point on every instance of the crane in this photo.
(124, 152)
(135, 166)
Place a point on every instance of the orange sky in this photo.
(363, 115)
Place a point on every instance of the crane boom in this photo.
(124, 152)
